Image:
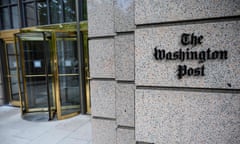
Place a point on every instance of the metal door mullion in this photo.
(46, 58)
(21, 53)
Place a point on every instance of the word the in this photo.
(187, 39)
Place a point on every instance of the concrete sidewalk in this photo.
(15, 130)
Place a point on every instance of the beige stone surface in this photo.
(164, 116)
(216, 36)
(157, 11)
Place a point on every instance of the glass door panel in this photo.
(11, 56)
(37, 72)
(37, 94)
(20, 78)
(68, 69)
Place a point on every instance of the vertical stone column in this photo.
(125, 76)
(111, 53)
(102, 70)
(125, 90)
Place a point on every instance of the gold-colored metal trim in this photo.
(49, 75)
(15, 103)
(8, 35)
(69, 115)
(21, 53)
(68, 74)
(52, 108)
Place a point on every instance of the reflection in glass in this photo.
(67, 57)
(84, 7)
(69, 10)
(14, 88)
(37, 92)
(15, 15)
(3, 2)
(5, 18)
(69, 86)
(14, 1)
(42, 13)
(12, 72)
(69, 73)
(56, 11)
(10, 48)
(30, 14)
(12, 64)
(34, 54)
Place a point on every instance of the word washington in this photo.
(182, 55)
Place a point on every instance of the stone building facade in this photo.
(164, 71)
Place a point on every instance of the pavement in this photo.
(16, 130)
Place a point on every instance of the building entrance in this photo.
(50, 65)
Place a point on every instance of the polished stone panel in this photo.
(103, 98)
(104, 131)
(125, 136)
(124, 15)
(157, 11)
(218, 73)
(125, 104)
(164, 116)
(100, 18)
(101, 58)
(124, 57)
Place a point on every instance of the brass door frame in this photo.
(24, 76)
(9, 76)
(8, 38)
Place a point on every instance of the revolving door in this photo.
(50, 73)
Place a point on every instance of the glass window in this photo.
(28, 0)
(9, 14)
(14, 1)
(39, 12)
(10, 49)
(84, 8)
(4, 2)
(15, 17)
(30, 14)
(69, 10)
(5, 18)
(56, 11)
(42, 13)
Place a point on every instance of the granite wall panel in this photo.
(187, 117)
(124, 57)
(124, 15)
(100, 18)
(101, 58)
(214, 71)
(125, 136)
(104, 131)
(157, 11)
(125, 104)
(103, 98)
